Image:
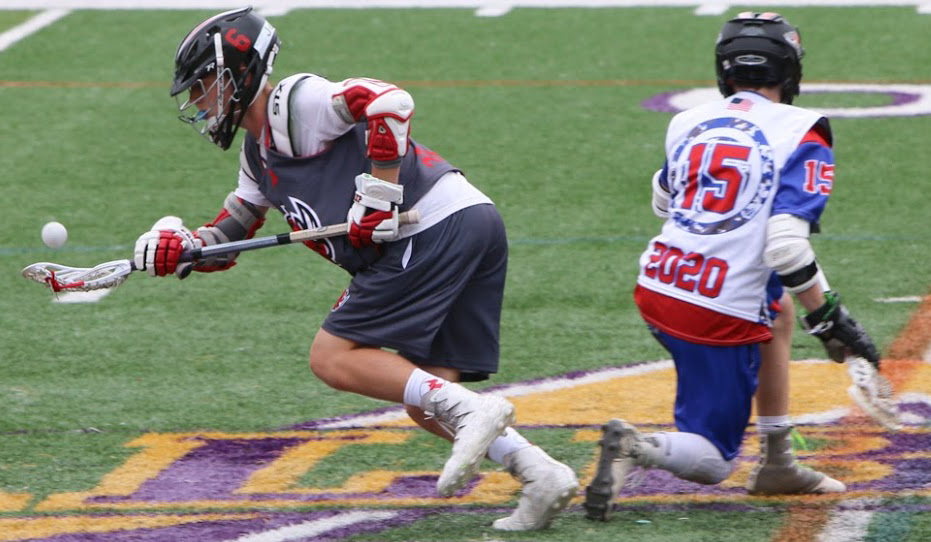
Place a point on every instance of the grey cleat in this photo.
(620, 451)
(548, 486)
(778, 473)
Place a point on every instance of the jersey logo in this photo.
(721, 176)
(427, 157)
(301, 216)
(343, 298)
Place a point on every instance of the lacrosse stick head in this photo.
(62, 278)
(872, 392)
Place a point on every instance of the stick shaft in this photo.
(299, 236)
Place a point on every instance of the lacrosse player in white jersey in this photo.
(423, 307)
(744, 184)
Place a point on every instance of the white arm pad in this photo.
(396, 108)
(660, 197)
(788, 249)
(360, 98)
(388, 111)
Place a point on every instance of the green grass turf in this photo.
(9, 19)
(640, 526)
(541, 108)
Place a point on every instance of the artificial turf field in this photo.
(184, 411)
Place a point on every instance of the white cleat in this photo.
(475, 421)
(548, 487)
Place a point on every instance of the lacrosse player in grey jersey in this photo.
(423, 307)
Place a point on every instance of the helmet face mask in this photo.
(223, 64)
(759, 50)
(207, 107)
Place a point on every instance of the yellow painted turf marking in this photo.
(283, 474)
(11, 502)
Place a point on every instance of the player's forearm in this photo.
(391, 174)
(812, 298)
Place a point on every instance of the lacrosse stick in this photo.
(62, 278)
(872, 392)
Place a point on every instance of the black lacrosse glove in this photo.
(839, 331)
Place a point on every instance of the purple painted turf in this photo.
(210, 531)
(662, 102)
(221, 466)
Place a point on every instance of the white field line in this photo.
(31, 26)
(558, 383)
(901, 299)
(848, 522)
(709, 6)
(56, 9)
(303, 531)
(846, 526)
(514, 390)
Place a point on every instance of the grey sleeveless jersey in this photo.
(318, 190)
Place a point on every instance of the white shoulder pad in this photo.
(279, 113)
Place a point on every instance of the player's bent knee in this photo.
(709, 471)
(323, 365)
(320, 367)
(416, 414)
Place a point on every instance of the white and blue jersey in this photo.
(730, 165)
(703, 287)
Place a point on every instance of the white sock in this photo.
(690, 457)
(419, 384)
(770, 424)
(506, 444)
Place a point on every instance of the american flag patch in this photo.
(740, 104)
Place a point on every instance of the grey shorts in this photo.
(434, 297)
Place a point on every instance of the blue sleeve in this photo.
(806, 182)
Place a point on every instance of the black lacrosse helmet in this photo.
(238, 47)
(759, 49)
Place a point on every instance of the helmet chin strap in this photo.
(220, 85)
(218, 51)
(221, 70)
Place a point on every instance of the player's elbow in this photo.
(787, 246)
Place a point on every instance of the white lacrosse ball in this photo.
(54, 235)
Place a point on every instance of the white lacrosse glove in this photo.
(872, 392)
(159, 250)
(373, 217)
